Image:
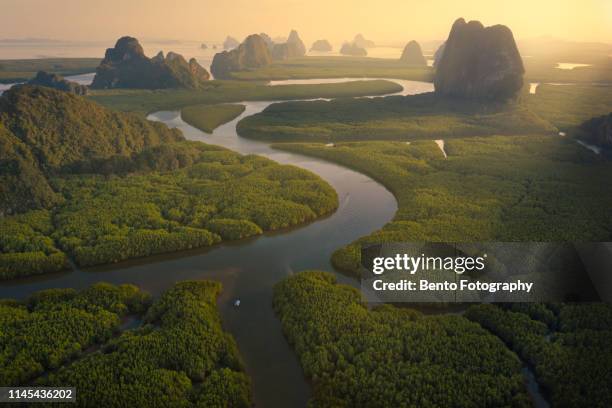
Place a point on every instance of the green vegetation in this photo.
(544, 69)
(53, 327)
(110, 186)
(25, 69)
(538, 69)
(568, 345)
(22, 184)
(175, 197)
(45, 132)
(391, 357)
(337, 67)
(216, 92)
(495, 188)
(390, 118)
(208, 117)
(179, 356)
(25, 245)
(567, 106)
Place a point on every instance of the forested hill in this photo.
(44, 131)
(22, 184)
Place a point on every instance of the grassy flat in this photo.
(538, 69)
(25, 69)
(145, 101)
(544, 69)
(422, 116)
(567, 106)
(494, 188)
(208, 117)
(338, 67)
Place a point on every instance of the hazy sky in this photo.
(336, 20)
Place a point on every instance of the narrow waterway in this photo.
(249, 269)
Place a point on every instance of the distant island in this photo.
(360, 41)
(257, 50)
(230, 43)
(56, 81)
(126, 66)
(321, 46)
(413, 55)
(353, 50)
(268, 40)
(292, 48)
(479, 63)
(252, 53)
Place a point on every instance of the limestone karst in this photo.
(413, 54)
(126, 66)
(321, 46)
(479, 63)
(353, 50)
(252, 53)
(361, 42)
(230, 43)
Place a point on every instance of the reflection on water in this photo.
(533, 86)
(408, 87)
(248, 269)
(440, 144)
(570, 65)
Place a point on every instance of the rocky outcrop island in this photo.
(126, 66)
(438, 54)
(479, 63)
(251, 54)
(230, 43)
(58, 82)
(321, 46)
(353, 50)
(361, 42)
(413, 55)
(292, 48)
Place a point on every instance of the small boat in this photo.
(237, 303)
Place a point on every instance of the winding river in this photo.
(248, 269)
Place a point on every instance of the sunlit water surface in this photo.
(249, 269)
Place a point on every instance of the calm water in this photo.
(570, 65)
(249, 269)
